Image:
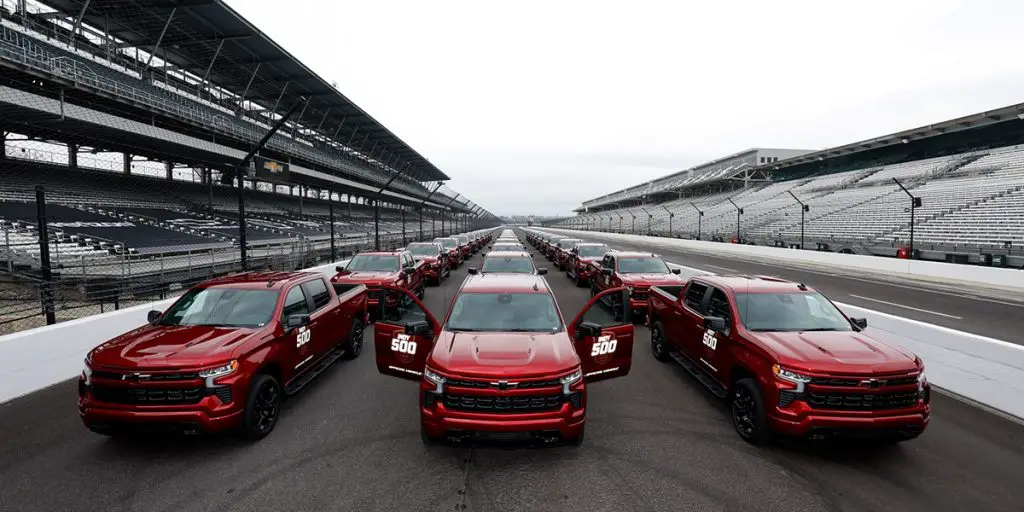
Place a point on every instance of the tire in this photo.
(262, 408)
(748, 416)
(353, 345)
(658, 346)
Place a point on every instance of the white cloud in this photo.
(534, 106)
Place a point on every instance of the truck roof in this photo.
(379, 253)
(635, 254)
(592, 243)
(755, 284)
(507, 254)
(509, 283)
(263, 280)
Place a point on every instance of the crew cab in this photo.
(223, 356)
(436, 265)
(584, 261)
(508, 262)
(560, 252)
(378, 269)
(451, 246)
(637, 271)
(502, 364)
(465, 246)
(788, 360)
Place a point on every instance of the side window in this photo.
(295, 303)
(694, 295)
(318, 291)
(719, 306)
(608, 310)
(399, 308)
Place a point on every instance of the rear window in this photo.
(514, 264)
(504, 312)
(343, 288)
(318, 291)
(222, 307)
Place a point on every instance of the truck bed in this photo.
(671, 292)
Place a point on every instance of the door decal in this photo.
(303, 337)
(710, 340)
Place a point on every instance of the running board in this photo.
(308, 376)
(715, 388)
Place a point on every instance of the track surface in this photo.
(655, 441)
(987, 312)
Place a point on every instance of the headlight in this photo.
(791, 376)
(219, 371)
(436, 379)
(87, 372)
(570, 379)
(922, 380)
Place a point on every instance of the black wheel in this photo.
(353, 346)
(578, 441)
(658, 345)
(748, 412)
(262, 407)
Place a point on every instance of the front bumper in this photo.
(800, 420)
(439, 422)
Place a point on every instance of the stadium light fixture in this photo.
(670, 216)
(699, 215)
(739, 211)
(803, 208)
(904, 140)
(915, 202)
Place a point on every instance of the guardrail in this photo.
(37, 358)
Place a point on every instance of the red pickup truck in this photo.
(503, 365)
(378, 269)
(788, 360)
(451, 246)
(638, 271)
(560, 253)
(584, 261)
(436, 265)
(223, 356)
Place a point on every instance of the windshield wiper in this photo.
(820, 329)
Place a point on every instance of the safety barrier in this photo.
(37, 358)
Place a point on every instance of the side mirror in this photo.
(339, 268)
(715, 323)
(677, 271)
(588, 329)
(472, 271)
(606, 271)
(417, 327)
(153, 316)
(860, 323)
(408, 271)
(296, 321)
(541, 271)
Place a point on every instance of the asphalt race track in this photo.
(655, 441)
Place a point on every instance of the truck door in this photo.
(603, 335)
(603, 280)
(327, 327)
(299, 349)
(715, 338)
(688, 332)
(404, 335)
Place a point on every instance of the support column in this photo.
(302, 196)
(169, 167)
(127, 163)
(73, 156)
(3, 145)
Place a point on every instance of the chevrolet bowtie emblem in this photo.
(504, 384)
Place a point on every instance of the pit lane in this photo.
(350, 441)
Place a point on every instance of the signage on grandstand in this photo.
(91, 224)
(270, 170)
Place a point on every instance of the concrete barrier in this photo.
(924, 270)
(34, 359)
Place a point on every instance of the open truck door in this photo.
(404, 335)
(603, 335)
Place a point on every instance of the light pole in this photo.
(670, 215)
(915, 202)
(620, 221)
(803, 209)
(739, 211)
(649, 219)
(632, 226)
(699, 215)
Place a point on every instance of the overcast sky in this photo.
(534, 106)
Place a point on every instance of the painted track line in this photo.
(905, 307)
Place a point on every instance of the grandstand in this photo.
(127, 124)
(968, 174)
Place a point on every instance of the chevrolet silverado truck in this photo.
(560, 253)
(788, 360)
(465, 246)
(503, 365)
(637, 271)
(451, 246)
(223, 356)
(508, 262)
(378, 269)
(436, 264)
(584, 261)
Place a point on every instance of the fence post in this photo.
(330, 211)
(44, 257)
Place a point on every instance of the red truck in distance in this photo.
(508, 262)
(788, 360)
(451, 245)
(637, 271)
(465, 246)
(223, 356)
(584, 261)
(560, 253)
(502, 365)
(435, 260)
(378, 269)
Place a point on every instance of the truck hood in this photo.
(425, 259)
(649, 279)
(840, 352)
(361, 277)
(171, 346)
(504, 354)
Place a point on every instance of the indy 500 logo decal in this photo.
(403, 344)
(303, 337)
(603, 345)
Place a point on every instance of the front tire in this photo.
(658, 346)
(748, 414)
(262, 408)
(353, 346)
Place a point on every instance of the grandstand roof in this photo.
(208, 38)
(922, 132)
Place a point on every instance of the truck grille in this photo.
(149, 377)
(503, 404)
(482, 384)
(862, 401)
(147, 396)
(855, 381)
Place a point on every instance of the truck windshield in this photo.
(222, 307)
(642, 266)
(448, 243)
(507, 247)
(373, 263)
(504, 312)
(789, 312)
(566, 243)
(593, 251)
(515, 264)
(423, 249)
